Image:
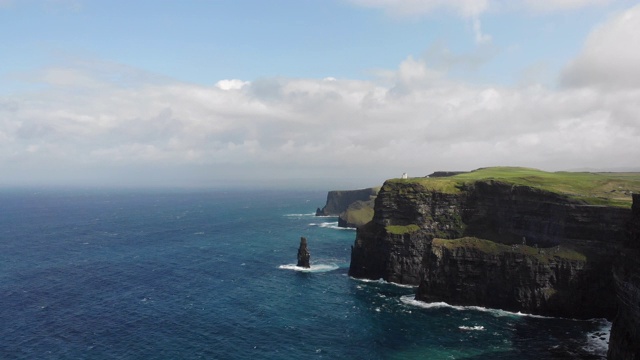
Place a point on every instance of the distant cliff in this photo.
(511, 238)
(353, 207)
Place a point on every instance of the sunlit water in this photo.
(212, 275)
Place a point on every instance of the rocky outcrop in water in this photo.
(303, 254)
(526, 223)
(624, 343)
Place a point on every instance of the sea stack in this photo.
(303, 254)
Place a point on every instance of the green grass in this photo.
(611, 189)
(360, 214)
(402, 229)
(489, 247)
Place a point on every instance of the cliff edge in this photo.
(354, 208)
(512, 238)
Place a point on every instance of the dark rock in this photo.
(303, 254)
(515, 278)
(624, 342)
(446, 173)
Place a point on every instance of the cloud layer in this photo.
(610, 56)
(102, 118)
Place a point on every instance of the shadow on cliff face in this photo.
(592, 293)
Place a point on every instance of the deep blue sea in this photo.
(123, 274)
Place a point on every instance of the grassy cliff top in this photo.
(493, 248)
(612, 189)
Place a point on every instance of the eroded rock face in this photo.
(383, 250)
(519, 278)
(393, 257)
(397, 246)
(624, 343)
(303, 254)
(339, 200)
(507, 214)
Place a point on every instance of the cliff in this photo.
(354, 208)
(339, 200)
(527, 240)
(556, 281)
(357, 214)
(624, 343)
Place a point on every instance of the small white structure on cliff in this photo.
(405, 176)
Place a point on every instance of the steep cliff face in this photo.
(379, 253)
(510, 213)
(406, 218)
(624, 343)
(398, 246)
(339, 200)
(555, 281)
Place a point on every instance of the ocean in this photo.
(177, 274)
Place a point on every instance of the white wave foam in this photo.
(313, 268)
(299, 215)
(598, 341)
(410, 300)
(471, 328)
(382, 281)
(331, 225)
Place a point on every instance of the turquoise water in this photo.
(210, 275)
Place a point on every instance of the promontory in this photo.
(519, 239)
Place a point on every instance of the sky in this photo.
(324, 93)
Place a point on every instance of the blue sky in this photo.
(194, 93)
(205, 41)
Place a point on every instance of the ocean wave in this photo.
(382, 281)
(410, 300)
(598, 341)
(331, 225)
(313, 268)
(299, 215)
(471, 328)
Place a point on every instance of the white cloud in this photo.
(466, 8)
(480, 37)
(473, 10)
(231, 84)
(610, 55)
(310, 128)
(111, 121)
(562, 5)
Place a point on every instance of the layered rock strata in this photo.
(524, 275)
